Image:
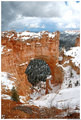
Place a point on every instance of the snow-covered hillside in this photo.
(75, 53)
(71, 78)
(65, 98)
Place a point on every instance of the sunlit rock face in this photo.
(37, 70)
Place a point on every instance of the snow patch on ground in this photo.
(65, 98)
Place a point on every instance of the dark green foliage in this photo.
(37, 70)
(14, 96)
(77, 83)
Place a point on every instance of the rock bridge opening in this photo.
(37, 70)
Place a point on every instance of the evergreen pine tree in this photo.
(14, 96)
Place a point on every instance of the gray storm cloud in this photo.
(17, 14)
(11, 10)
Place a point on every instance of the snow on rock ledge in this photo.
(30, 35)
(23, 64)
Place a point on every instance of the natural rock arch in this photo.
(45, 47)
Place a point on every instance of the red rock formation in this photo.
(45, 47)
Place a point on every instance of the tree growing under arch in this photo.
(37, 70)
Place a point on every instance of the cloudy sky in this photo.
(38, 16)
